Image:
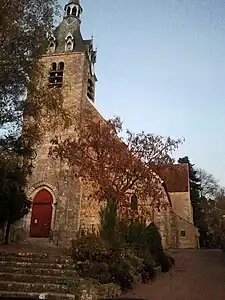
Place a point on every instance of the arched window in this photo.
(69, 43)
(134, 201)
(53, 68)
(56, 75)
(52, 46)
(61, 66)
(78, 13)
(69, 46)
(74, 11)
(68, 11)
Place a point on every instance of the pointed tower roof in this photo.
(67, 36)
(70, 28)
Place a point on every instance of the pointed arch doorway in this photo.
(41, 215)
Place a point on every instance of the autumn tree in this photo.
(23, 28)
(220, 205)
(212, 207)
(118, 165)
(210, 187)
(212, 201)
(205, 192)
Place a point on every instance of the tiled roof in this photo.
(175, 176)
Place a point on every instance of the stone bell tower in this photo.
(68, 66)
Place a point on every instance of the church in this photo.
(61, 205)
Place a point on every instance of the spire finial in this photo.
(77, 2)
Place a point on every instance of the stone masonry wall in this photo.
(182, 205)
(90, 209)
(183, 220)
(54, 175)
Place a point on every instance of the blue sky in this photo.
(161, 68)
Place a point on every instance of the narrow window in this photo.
(93, 229)
(52, 47)
(69, 46)
(78, 15)
(52, 73)
(134, 201)
(51, 44)
(68, 11)
(74, 11)
(183, 233)
(56, 75)
(54, 66)
(61, 66)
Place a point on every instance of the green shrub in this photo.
(131, 233)
(146, 241)
(90, 247)
(109, 291)
(138, 235)
(123, 251)
(112, 262)
(98, 271)
(165, 262)
(108, 217)
(154, 240)
(172, 260)
(148, 272)
(122, 274)
(135, 262)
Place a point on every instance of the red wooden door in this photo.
(41, 215)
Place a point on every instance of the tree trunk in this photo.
(7, 233)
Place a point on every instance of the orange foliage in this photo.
(119, 166)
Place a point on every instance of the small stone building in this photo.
(62, 205)
(176, 179)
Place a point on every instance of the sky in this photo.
(161, 68)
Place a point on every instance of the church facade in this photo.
(62, 205)
(57, 206)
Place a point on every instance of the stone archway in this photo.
(41, 215)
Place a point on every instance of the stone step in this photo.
(38, 271)
(67, 288)
(36, 295)
(30, 249)
(33, 278)
(29, 253)
(36, 258)
(28, 272)
(35, 265)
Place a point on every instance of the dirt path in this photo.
(198, 274)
